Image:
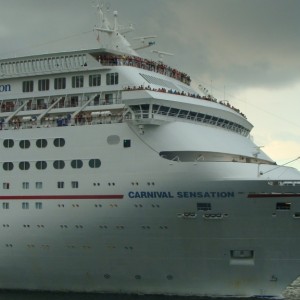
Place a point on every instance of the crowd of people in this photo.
(182, 93)
(150, 65)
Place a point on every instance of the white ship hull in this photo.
(116, 176)
(153, 243)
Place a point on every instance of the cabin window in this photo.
(94, 163)
(5, 205)
(8, 143)
(25, 205)
(43, 84)
(38, 205)
(59, 83)
(24, 165)
(112, 78)
(38, 185)
(41, 165)
(58, 164)
(95, 80)
(77, 81)
(25, 185)
(74, 184)
(76, 164)
(6, 185)
(27, 86)
(59, 142)
(41, 143)
(127, 143)
(60, 184)
(8, 166)
(24, 144)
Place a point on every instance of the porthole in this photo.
(59, 142)
(113, 139)
(41, 143)
(24, 144)
(24, 165)
(8, 166)
(9, 143)
(76, 164)
(41, 165)
(94, 163)
(58, 164)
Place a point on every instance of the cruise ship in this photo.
(118, 177)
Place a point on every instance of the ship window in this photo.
(24, 165)
(173, 112)
(59, 83)
(59, 142)
(8, 143)
(24, 144)
(283, 205)
(43, 85)
(38, 205)
(76, 164)
(203, 206)
(94, 163)
(5, 205)
(8, 166)
(38, 185)
(58, 164)
(60, 184)
(27, 86)
(95, 80)
(127, 143)
(25, 185)
(183, 114)
(6, 185)
(112, 78)
(41, 165)
(164, 110)
(155, 108)
(77, 81)
(41, 143)
(25, 205)
(74, 184)
(113, 139)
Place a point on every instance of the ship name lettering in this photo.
(205, 194)
(5, 88)
(146, 195)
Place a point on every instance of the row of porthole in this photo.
(40, 143)
(57, 164)
(148, 183)
(118, 227)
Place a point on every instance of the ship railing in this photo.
(66, 101)
(183, 93)
(139, 62)
(49, 122)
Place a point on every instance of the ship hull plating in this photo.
(141, 223)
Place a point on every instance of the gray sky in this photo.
(245, 50)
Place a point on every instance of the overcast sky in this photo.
(244, 50)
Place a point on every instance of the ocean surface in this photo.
(292, 293)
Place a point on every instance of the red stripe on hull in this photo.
(273, 195)
(61, 197)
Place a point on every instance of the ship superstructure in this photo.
(117, 176)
